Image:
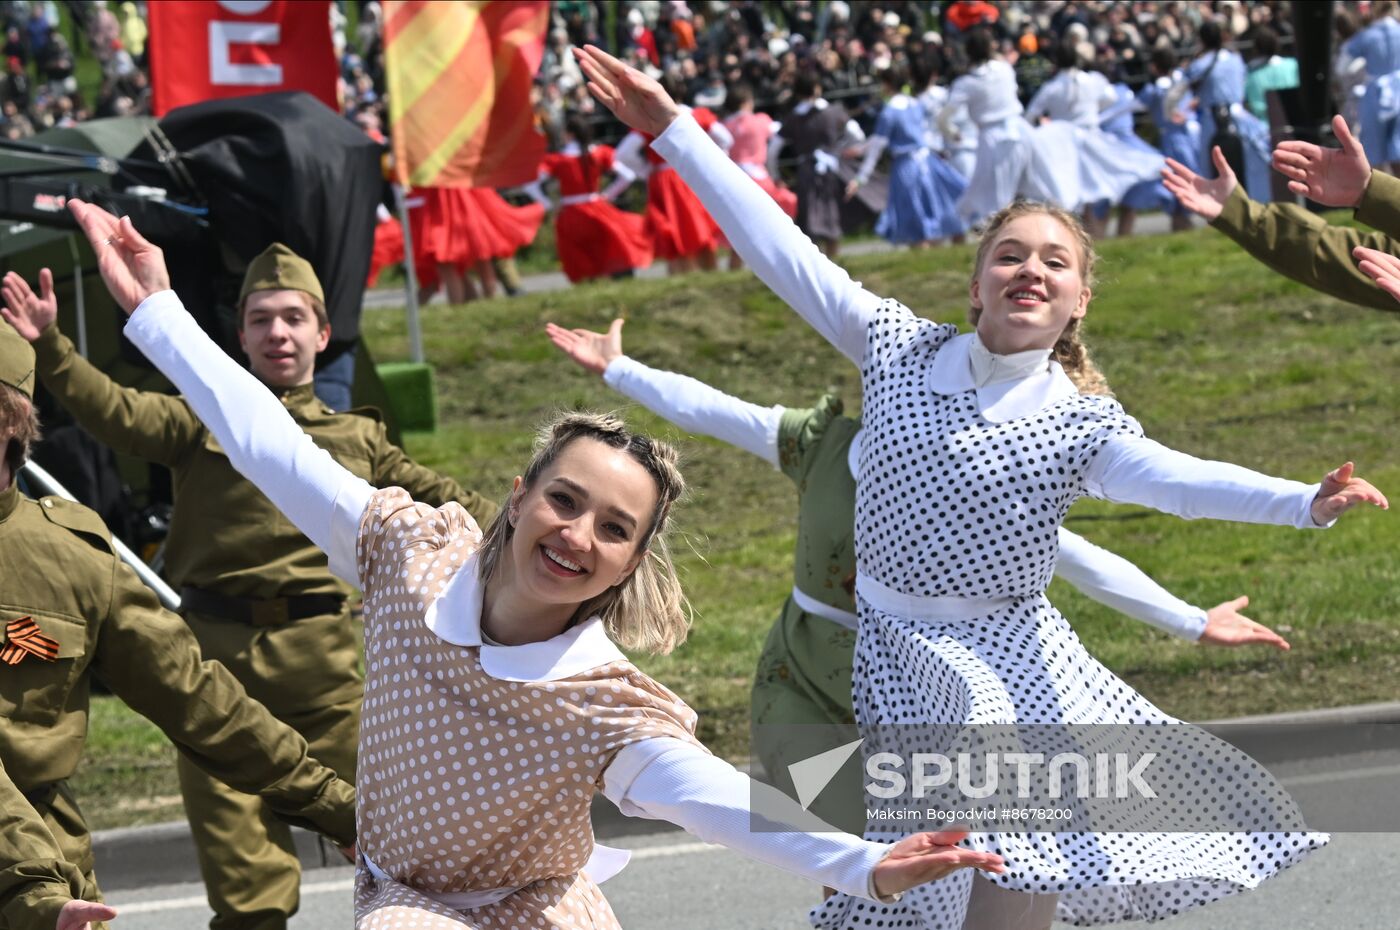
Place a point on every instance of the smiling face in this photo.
(1030, 284)
(282, 335)
(578, 529)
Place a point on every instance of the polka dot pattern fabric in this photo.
(469, 783)
(950, 504)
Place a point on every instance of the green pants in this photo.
(246, 855)
(307, 673)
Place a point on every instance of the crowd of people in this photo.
(1120, 85)
(493, 702)
(953, 108)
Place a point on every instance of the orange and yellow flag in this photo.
(459, 75)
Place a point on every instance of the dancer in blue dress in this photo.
(1217, 78)
(1379, 46)
(1178, 130)
(924, 189)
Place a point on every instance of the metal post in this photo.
(415, 330)
(49, 485)
(79, 300)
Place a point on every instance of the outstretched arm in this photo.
(1335, 177)
(668, 779)
(768, 241)
(1139, 471)
(1290, 240)
(152, 426)
(262, 441)
(690, 404)
(1111, 579)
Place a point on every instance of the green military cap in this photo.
(16, 360)
(278, 268)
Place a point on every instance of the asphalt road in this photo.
(678, 884)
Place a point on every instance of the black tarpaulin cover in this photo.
(281, 168)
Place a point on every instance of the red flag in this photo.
(459, 78)
(211, 49)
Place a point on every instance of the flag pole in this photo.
(410, 277)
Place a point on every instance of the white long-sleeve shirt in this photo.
(1130, 470)
(660, 778)
(988, 93)
(699, 408)
(1073, 95)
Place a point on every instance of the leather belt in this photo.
(272, 611)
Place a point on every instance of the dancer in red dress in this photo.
(682, 231)
(459, 229)
(594, 238)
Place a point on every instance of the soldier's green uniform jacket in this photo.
(228, 538)
(35, 881)
(58, 567)
(1302, 246)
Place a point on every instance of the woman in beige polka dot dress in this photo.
(496, 703)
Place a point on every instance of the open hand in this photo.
(76, 915)
(1226, 626)
(634, 98)
(1335, 177)
(926, 857)
(1340, 492)
(592, 351)
(29, 313)
(1382, 267)
(132, 268)
(1200, 196)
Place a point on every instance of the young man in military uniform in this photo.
(71, 610)
(258, 595)
(38, 889)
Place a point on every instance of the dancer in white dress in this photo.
(978, 446)
(1106, 167)
(987, 95)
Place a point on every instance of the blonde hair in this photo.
(648, 611)
(19, 425)
(1069, 350)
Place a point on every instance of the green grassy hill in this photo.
(1213, 354)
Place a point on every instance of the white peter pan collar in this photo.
(455, 617)
(1008, 387)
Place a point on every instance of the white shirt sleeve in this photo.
(775, 148)
(629, 152)
(1111, 579)
(957, 100)
(669, 779)
(623, 176)
(874, 148)
(722, 136)
(323, 499)
(698, 408)
(769, 242)
(1136, 470)
(536, 191)
(851, 135)
(1039, 103)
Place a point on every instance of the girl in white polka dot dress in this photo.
(976, 446)
(496, 703)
